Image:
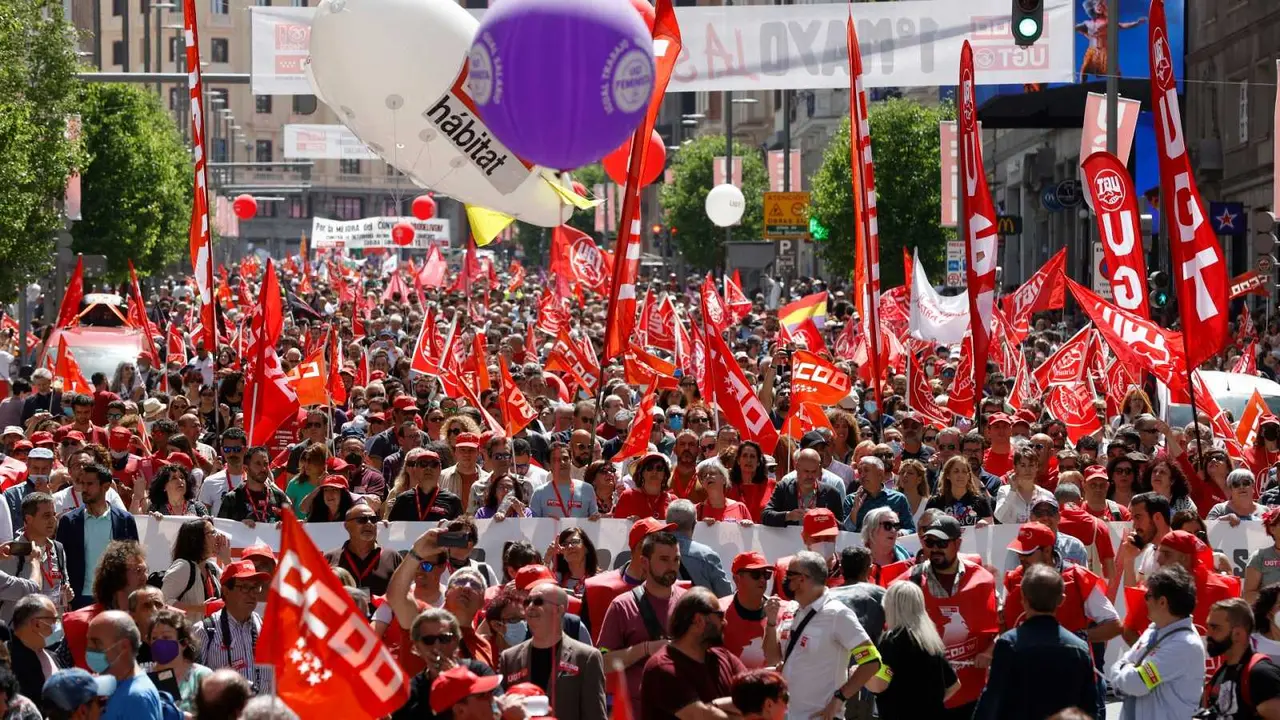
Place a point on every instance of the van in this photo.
(1231, 391)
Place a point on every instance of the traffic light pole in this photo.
(1113, 77)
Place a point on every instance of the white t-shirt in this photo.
(215, 486)
(66, 500)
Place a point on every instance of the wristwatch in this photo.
(415, 555)
(839, 695)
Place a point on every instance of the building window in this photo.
(221, 50)
(214, 95)
(304, 104)
(219, 149)
(392, 171)
(118, 53)
(262, 3)
(348, 208)
(176, 46)
(391, 208)
(119, 7)
(262, 104)
(262, 151)
(299, 208)
(349, 167)
(177, 96)
(220, 7)
(299, 3)
(266, 208)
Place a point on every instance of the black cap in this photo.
(945, 527)
(811, 439)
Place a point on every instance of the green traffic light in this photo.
(1160, 298)
(1029, 28)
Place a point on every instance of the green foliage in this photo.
(37, 94)
(904, 142)
(137, 183)
(536, 242)
(684, 200)
(585, 220)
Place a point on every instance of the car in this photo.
(96, 349)
(1231, 390)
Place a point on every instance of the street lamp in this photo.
(154, 7)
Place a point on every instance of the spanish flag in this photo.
(810, 306)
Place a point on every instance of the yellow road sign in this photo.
(786, 214)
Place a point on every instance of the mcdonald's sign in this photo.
(1009, 225)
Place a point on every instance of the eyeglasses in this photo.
(889, 525)
(455, 431)
(313, 425)
(936, 543)
(445, 637)
(696, 420)
(365, 520)
(114, 416)
(247, 587)
(539, 601)
(232, 449)
(1123, 470)
(468, 584)
(708, 448)
(504, 457)
(947, 446)
(754, 574)
(424, 464)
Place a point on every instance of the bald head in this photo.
(114, 634)
(808, 467)
(222, 694)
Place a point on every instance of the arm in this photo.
(1252, 581)
(719, 577)
(997, 680)
(16, 587)
(772, 649)
(399, 588)
(776, 511)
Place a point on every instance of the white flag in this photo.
(936, 318)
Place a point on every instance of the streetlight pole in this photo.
(1113, 79)
(727, 102)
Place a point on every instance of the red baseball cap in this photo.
(820, 524)
(73, 435)
(404, 402)
(457, 684)
(44, 437)
(261, 550)
(376, 375)
(336, 465)
(183, 459)
(644, 527)
(23, 445)
(242, 570)
(530, 575)
(1093, 472)
(1026, 416)
(334, 481)
(749, 561)
(1031, 537)
(999, 419)
(467, 440)
(1182, 541)
(119, 438)
(1270, 517)
(376, 417)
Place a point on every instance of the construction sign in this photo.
(786, 215)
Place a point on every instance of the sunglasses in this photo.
(469, 584)
(455, 431)
(536, 602)
(696, 420)
(708, 448)
(936, 543)
(1123, 471)
(1038, 446)
(446, 637)
(232, 449)
(365, 520)
(754, 574)
(887, 525)
(70, 443)
(424, 464)
(114, 416)
(948, 446)
(504, 457)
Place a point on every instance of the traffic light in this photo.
(1158, 282)
(657, 229)
(1027, 21)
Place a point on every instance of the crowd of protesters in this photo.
(869, 630)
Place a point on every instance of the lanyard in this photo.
(564, 508)
(75, 498)
(355, 565)
(182, 510)
(417, 500)
(259, 510)
(46, 569)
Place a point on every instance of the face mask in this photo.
(516, 632)
(165, 651)
(55, 637)
(676, 422)
(116, 455)
(1217, 648)
(97, 661)
(38, 479)
(825, 549)
(67, 412)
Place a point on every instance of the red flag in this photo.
(175, 346)
(866, 227)
(1068, 363)
(1199, 268)
(846, 342)
(566, 356)
(1251, 419)
(1120, 227)
(271, 400)
(805, 417)
(1137, 342)
(1119, 379)
(517, 413)
(621, 320)
(1044, 290)
(691, 356)
(517, 276)
(586, 263)
(551, 314)
(815, 380)
(807, 335)
(138, 314)
(637, 442)
(736, 302)
(920, 397)
(199, 239)
(327, 660)
(1247, 363)
(308, 380)
(395, 286)
(978, 220)
(642, 368)
(72, 297)
(714, 316)
(333, 384)
(1218, 419)
(658, 324)
(434, 269)
(961, 398)
(362, 370)
(735, 398)
(1073, 405)
(425, 359)
(68, 370)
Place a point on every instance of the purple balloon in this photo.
(561, 83)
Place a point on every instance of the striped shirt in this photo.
(238, 655)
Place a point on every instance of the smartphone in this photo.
(453, 539)
(1137, 541)
(19, 547)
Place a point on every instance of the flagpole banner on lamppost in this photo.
(375, 232)
(911, 43)
(324, 142)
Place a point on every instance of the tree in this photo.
(37, 94)
(684, 199)
(585, 220)
(536, 242)
(137, 182)
(904, 142)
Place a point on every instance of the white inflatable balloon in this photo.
(725, 205)
(394, 72)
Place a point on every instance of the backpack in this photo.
(1245, 694)
(156, 579)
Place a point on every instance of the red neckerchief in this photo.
(169, 506)
(361, 574)
(417, 500)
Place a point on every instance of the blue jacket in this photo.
(71, 535)
(1037, 670)
(703, 567)
(891, 499)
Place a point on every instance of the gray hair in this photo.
(41, 374)
(873, 461)
(267, 707)
(438, 615)
(713, 465)
(683, 514)
(1069, 493)
(467, 572)
(872, 520)
(1242, 476)
(28, 607)
(812, 564)
(904, 608)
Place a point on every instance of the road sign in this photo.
(786, 215)
(1069, 193)
(1009, 225)
(955, 263)
(1266, 264)
(788, 249)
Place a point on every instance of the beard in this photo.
(665, 579)
(938, 560)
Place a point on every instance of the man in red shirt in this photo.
(684, 476)
(691, 676)
(819, 531)
(1095, 534)
(82, 420)
(744, 618)
(998, 459)
(603, 587)
(124, 464)
(101, 398)
(1181, 548)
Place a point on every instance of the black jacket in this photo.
(1038, 669)
(785, 500)
(26, 667)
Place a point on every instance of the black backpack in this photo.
(156, 579)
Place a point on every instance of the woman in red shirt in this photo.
(650, 496)
(714, 479)
(749, 481)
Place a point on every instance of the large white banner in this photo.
(941, 319)
(772, 47)
(375, 232)
(324, 142)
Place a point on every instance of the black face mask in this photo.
(354, 459)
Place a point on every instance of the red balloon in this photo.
(645, 8)
(402, 234)
(244, 206)
(615, 163)
(424, 207)
(579, 188)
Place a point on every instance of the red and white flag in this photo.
(333, 384)
(199, 238)
(715, 317)
(621, 320)
(328, 661)
(588, 265)
(1199, 268)
(815, 380)
(551, 314)
(1073, 405)
(1044, 290)
(978, 221)
(637, 442)
(865, 221)
(658, 324)
(734, 299)
(1120, 226)
(270, 400)
(1137, 342)
(805, 417)
(1251, 419)
(735, 398)
(308, 380)
(961, 398)
(920, 397)
(1247, 363)
(175, 350)
(1119, 380)
(517, 413)
(1068, 363)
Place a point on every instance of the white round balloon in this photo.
(725, 205)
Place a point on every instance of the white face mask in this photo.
(825, 549)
